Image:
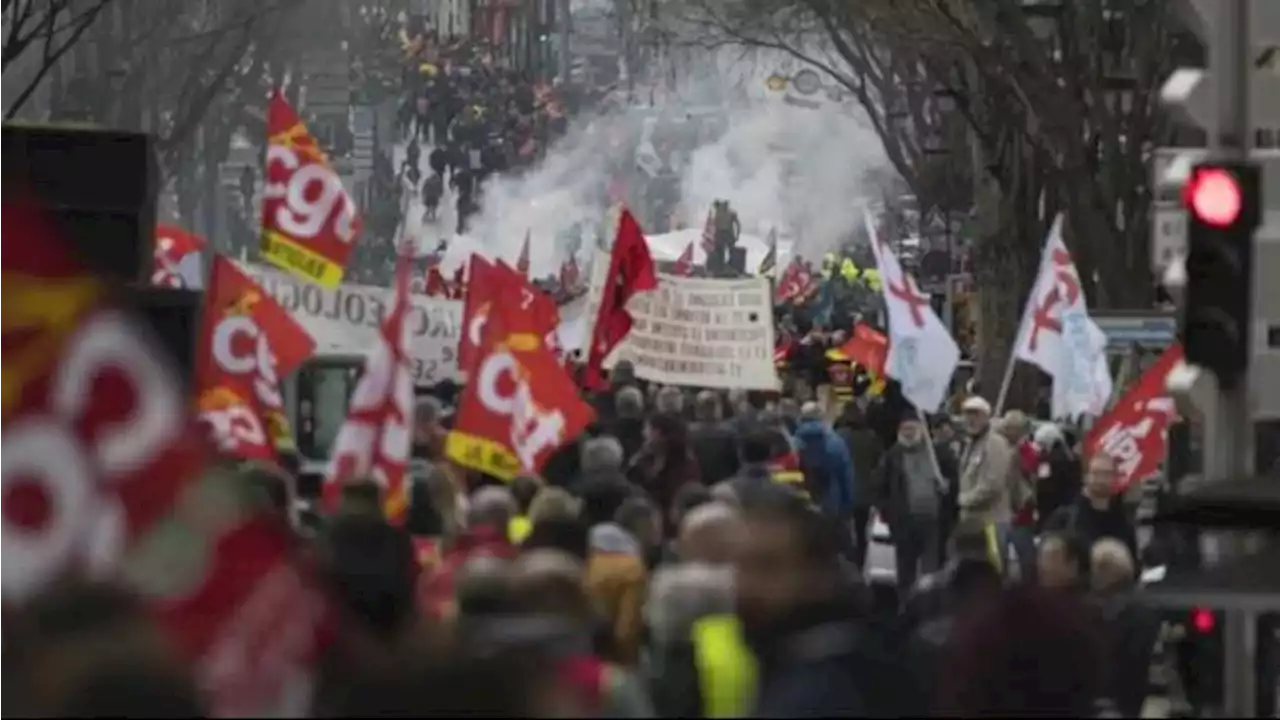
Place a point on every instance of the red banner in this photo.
(309, 223)
(1135, 430)
(247, 343)
(521, 405)
(485, 283)
(868, 347)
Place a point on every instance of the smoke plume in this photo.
(799, 169)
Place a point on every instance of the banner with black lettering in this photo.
(345, 320)
(698, 332)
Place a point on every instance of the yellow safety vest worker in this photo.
(849, 271)
(726, 668)
(518, 528)
(871, 277)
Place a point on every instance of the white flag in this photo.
(1057, 335)
(922, 354)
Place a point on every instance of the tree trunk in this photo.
(1006, 255)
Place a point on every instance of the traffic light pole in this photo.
(1229, 432)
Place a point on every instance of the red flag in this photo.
(868, 347)
(630, 271)
(99, 449)
(520, 405)
(436, 285)
(173, 245)
(1135, 430)
(309, 222)
(684, 263)
(247, 343)
(522, 262)
(484, 288)
(374, 441)
(796, 282)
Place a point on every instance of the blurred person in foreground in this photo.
(93, 650)
(1062, 563)
(524, 488)
(804, 619)
(550, 584)
(489, 513)
(1130, 629)
(617, 576)
(972, 542)
(1023, 652)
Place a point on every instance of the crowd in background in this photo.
(463, 119)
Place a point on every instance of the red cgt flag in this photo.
(176, 258)
(684, 263)
(94, 431)
(104, 472)
(309, 222)
(485, 283)
(868, 347)
(374, 441)
(521, 405)
(247, 343)
(630, 272)
(1135, 430)
(796, 282)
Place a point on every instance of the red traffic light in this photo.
(1203, 620)
(1214, 197)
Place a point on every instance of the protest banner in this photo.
(345, 321)
(701, 332)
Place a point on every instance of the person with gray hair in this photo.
(712, 441)
(491, 506)
(629, 402)
(669, 399)
(601, 454)
(679, 598)
(628, 424)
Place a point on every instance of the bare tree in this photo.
(1050, 124)
(41, 32)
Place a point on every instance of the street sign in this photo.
(1168, 234)
(1151, 330)
(1192, 91)
(1264, 20)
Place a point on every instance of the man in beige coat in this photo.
(984, 468)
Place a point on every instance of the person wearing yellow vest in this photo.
(524, 489)
(765, 464)
(817, 655)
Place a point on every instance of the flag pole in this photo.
(1007, 381)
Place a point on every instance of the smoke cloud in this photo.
(801, 169)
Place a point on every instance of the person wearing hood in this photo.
(910, 487)
(825, 463)
(617, 576)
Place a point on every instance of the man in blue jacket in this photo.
(825, 462)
